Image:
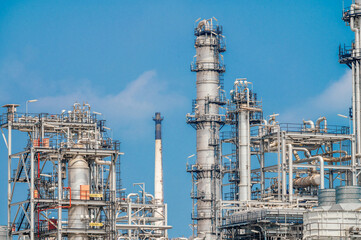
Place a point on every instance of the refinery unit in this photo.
(252, 176)
(66, 183)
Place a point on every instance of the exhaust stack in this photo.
(158, 169)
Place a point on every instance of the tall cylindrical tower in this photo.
(207, 122)
(158, 167)
(352, 57)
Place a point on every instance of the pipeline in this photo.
(311, 180)
(318, 123)
(310, 123)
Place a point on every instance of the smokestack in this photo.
(158, 169)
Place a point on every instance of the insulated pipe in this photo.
(290, 173)
(310, 123)
(243, 156)
(100, 162)
(149, 196)
(311, 180)
(132, 195)
(283, 144)
(305, 150)
(322, 167)
(202, 23)
(318, 123)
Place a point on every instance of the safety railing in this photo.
(208, 66)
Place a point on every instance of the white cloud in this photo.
(132, 107)
(336, 98)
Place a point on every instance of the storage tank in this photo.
(326, 197)
(3, 232)
(348, 194)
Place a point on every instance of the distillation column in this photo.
(352, 59)
(78, 170)
(244, 187)
(158, 169)
(207, 123)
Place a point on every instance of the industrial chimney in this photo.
(158, 169)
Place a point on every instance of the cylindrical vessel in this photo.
(243, 151)
(312, 180)
(78, 170)
(208, 69)
(348, 194)
(326, 197)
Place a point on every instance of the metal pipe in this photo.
(311, 180)
(60, 198)
(310, 123)
(101, 162)
(305, 150)
(283, 143)
(243, 133)
(290, 173)
(318, 123)
(9, 141)
(322, 167)
(32, 189)
(279, 169)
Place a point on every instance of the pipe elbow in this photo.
(101, 162)
(310, 123)
(131, 195)
(319, 121)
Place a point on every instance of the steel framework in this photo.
(65, 183)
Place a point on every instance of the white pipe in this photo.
(243, 121)
(132, 195)
(322, 167)
(284, 187)
(310, 123)
(318, 123)
(150, 196)
(305, 150)
(100, 162)
(311, 180)
(290, 172)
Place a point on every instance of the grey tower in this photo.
(207, 121)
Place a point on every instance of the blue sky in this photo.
(129, 59)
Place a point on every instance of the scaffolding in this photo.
(65, 183)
